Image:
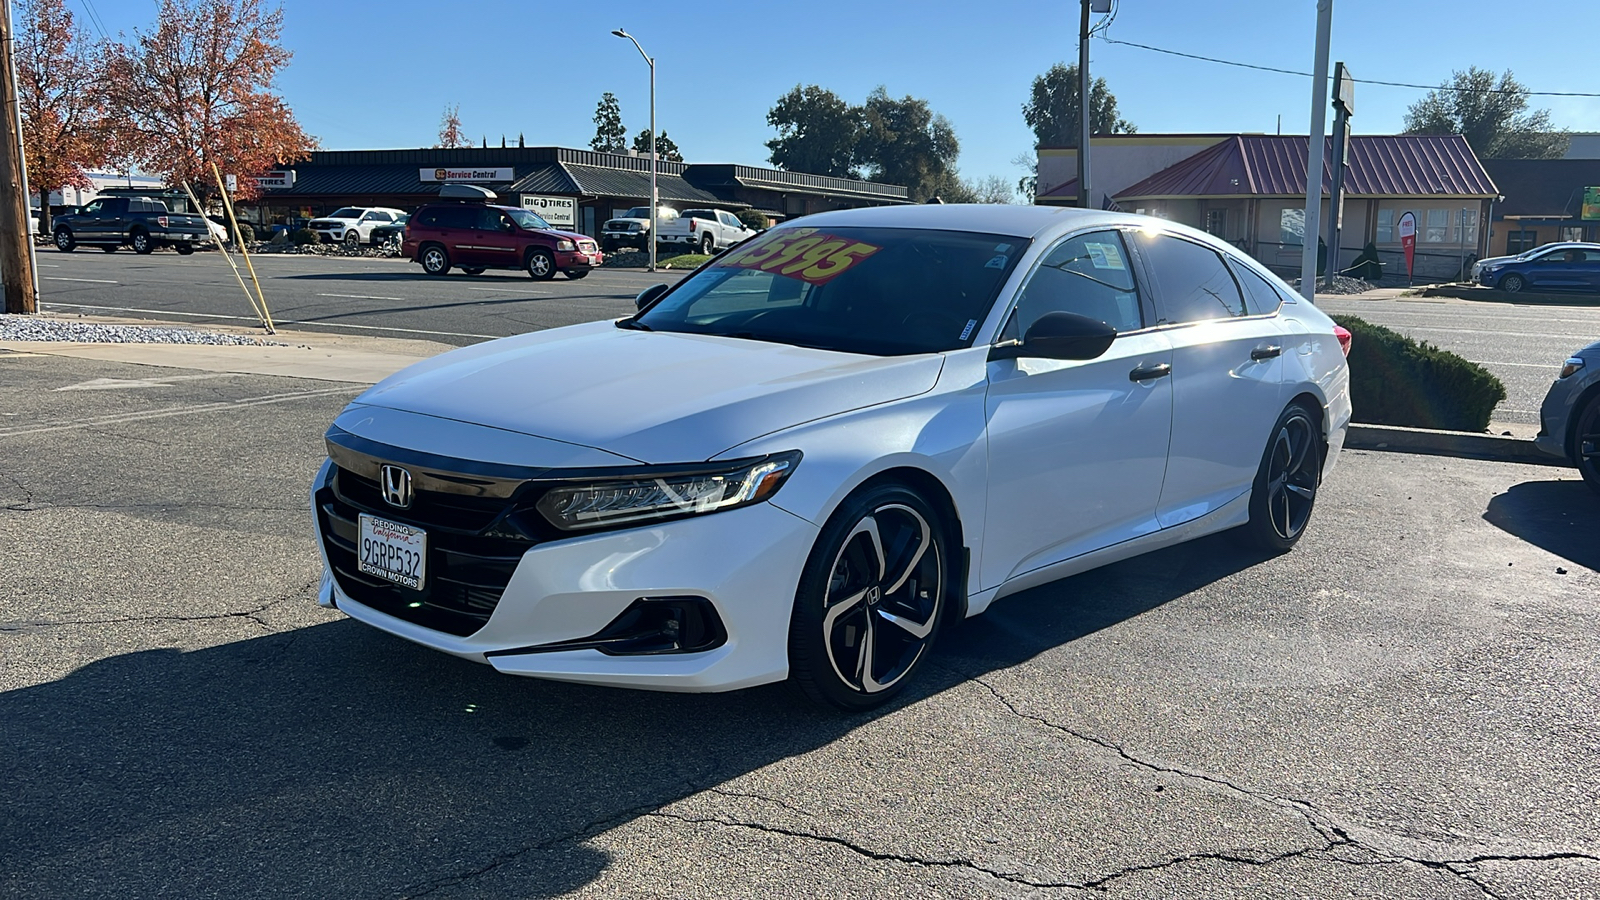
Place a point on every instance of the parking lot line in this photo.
(363, 297)
(170, 411)
(507, 290)
(90, 280)
(254, 321)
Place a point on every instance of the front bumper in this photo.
(745, 562)
(577, 260)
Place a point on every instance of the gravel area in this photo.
(36, 328)
(1341, 285)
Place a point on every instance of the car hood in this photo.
(569, 235)
(1495, 261)
(656, 397)
(329, 221)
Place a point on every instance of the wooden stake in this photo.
(21, 287)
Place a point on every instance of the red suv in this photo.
(478, 236)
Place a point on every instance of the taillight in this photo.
(691, 225)
(162, 221)
(1344, 336)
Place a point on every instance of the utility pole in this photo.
(1319, 98)
(1344, 106)
(1083, 106)
(16, 243)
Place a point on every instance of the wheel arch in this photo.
(1570, 440)
(1314, 405)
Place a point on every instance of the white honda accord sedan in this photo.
(808, 456)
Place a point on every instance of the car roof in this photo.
(1017, 221)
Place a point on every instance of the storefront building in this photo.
(1545, 200)
(572, 189)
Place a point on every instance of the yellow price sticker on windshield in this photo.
(803, 253)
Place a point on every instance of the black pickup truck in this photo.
(143, 223)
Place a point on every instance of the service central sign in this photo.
(561, 212)
(442, 174)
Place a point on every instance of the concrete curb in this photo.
(1448, 443)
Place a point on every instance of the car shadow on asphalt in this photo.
(421, 276)
(334, 760)
(1563, 517)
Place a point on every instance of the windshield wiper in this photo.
(633, 324)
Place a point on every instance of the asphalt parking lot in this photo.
(1407, 705)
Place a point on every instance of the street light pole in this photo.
(655, 216)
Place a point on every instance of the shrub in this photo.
(303, 236)
(757, 220)
(1397, 381)
(247, 234)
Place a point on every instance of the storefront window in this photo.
(1438, 230)
(1292, 227)
(1385, 222)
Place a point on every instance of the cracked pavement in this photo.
(1405, 706)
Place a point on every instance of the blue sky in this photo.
(377, 75)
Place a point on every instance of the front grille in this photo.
(474, 544)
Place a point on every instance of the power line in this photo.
(1420, 87)
(94, 19)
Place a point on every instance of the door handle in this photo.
(1146, 373)
(1266, 351)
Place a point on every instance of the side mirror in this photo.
(1059, 335)
(509, 226)
(649, 295)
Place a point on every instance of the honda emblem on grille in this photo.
(396, 487)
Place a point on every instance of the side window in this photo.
(457, 217)
(428, 218)
(1087, 275)
(1194, 284)
(488, 218)
(116, 206)
(385, 217)
(1259, 297)
(97, 205)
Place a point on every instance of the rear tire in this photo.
(435, 261)
(110, 248)
(1513, 283)
(474, 270)
(1285, 488)
(708, 244)
(142, 244)
(541, 265)
(184, 249)
(1586, 443)
(576, 275)
(871, 599)
(65, 242)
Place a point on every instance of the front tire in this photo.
(65, 242)
(870, 600)
(577, 274)
(142, 244)
(110, 248)
(473, 270)
(1586, 443)
(435, 261)
(1285, 489)
(1513, 283)
(352, 239)
(541, 265)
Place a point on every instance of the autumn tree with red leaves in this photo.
(61, 98)
(198, 90)
(450, 134)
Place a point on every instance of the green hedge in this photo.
(303, 236)
(1397, 381)
(758, 221)
(683, 261)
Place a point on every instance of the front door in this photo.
(1227, 374)
(494, 239)
(1077, 449)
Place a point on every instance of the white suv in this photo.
(353, 224)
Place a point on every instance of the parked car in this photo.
(143, 223)
(394, 232)
(705, 230)
(353, 224)
(632, 228)
(1554, 267)
(465, 229)
(1569, 418)
(803, 459)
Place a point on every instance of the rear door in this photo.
(1227, 374)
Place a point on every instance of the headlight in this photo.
(1571, 367)
(566, 245)
(672, 492)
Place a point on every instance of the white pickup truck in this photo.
(632, 228)
(706, 230)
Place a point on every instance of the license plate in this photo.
(393, 552)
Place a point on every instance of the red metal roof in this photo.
(1275, 165)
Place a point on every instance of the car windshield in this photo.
(878, 291)
(349, 212)
(406, 217)
(528, 220)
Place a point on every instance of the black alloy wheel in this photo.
(1285, 489)
(1586, 443)
(1513, 283)
(65, 242)
(435, 261)
(142, 244)
(541, 265)
(871, 599)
